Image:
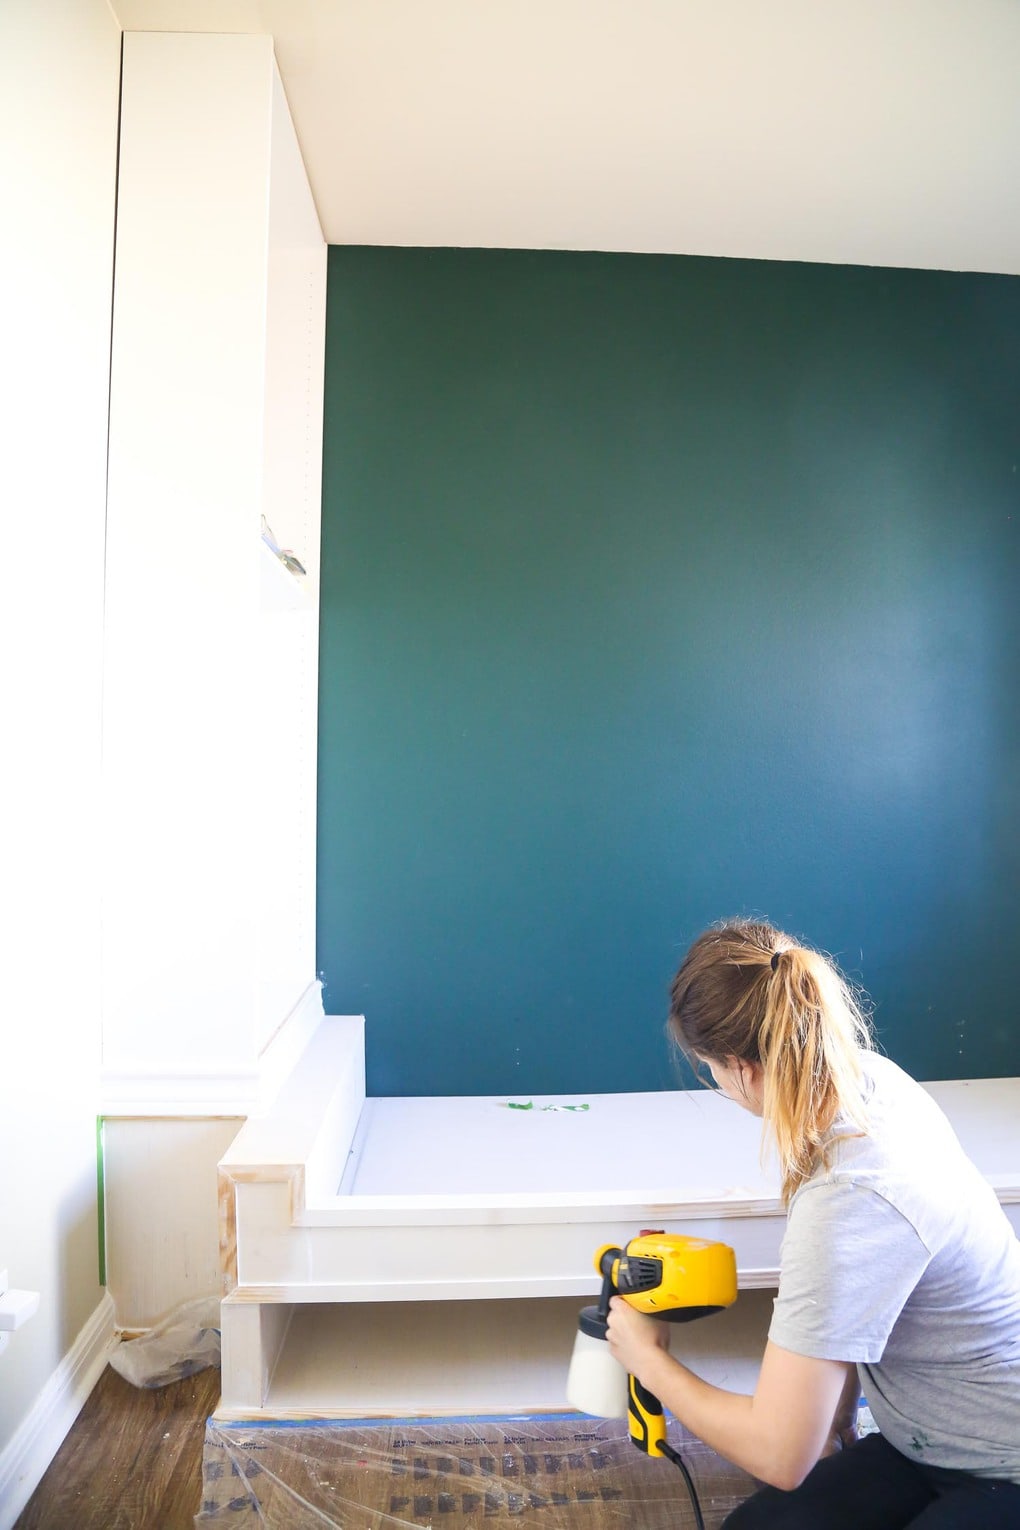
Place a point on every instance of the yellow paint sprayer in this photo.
(668, 1276)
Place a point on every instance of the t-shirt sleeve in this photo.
(849, 1262)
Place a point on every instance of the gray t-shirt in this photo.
(900, 1258)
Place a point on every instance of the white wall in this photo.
(59, 73)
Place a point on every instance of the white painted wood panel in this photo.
(185, 490)
(610, 1143)
(210, 688)
(485, 1357)
(288, 631)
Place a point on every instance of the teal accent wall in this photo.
(657, 589)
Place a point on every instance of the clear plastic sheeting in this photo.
(183, 1343)
(548, 1473)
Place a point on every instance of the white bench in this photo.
(418, 1256)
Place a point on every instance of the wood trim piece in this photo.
(227, 1203)
(27, 1455)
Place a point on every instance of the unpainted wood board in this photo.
(162, 1213)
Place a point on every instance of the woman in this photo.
(900, 1274)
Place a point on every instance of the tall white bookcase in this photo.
(211, 645)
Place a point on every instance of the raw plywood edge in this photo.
(252, 1340)
(227, 1202)
(227, 1182)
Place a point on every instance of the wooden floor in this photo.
(132, 1461)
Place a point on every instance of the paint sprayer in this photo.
(668, 1276)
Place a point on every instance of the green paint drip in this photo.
(530, 1105)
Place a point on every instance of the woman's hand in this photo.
(840, 1439)
(843, 1429)
(635, 1338)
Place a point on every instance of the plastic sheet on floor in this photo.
(541, 1473)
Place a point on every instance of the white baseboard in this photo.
(30, 1451)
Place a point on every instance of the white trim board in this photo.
(218, 1090)
(30, 1451)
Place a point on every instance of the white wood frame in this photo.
(292, 1235)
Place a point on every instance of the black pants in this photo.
(871, 1486)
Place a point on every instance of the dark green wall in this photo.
(656, 589)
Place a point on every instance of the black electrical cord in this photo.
(678, 1460)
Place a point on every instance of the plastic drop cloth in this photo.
(186, 1341)
(543, 1473)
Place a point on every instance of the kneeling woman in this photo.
(900, 1274)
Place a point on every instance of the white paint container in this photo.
(596, 1382)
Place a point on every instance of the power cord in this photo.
(674, 1455)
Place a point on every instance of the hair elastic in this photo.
(774, 963)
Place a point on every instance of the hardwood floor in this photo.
(132, 1461)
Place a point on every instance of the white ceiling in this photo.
(874, 132)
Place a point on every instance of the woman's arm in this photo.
(777, 1435)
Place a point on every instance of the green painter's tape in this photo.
(101, 1196)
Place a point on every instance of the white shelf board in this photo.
(475, 1358)
(562, 1146)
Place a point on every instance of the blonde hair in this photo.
(746, 991)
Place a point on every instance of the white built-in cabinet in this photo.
(211, 645)
(209, 983)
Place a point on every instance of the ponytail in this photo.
(809, 1041)
(745, 991)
